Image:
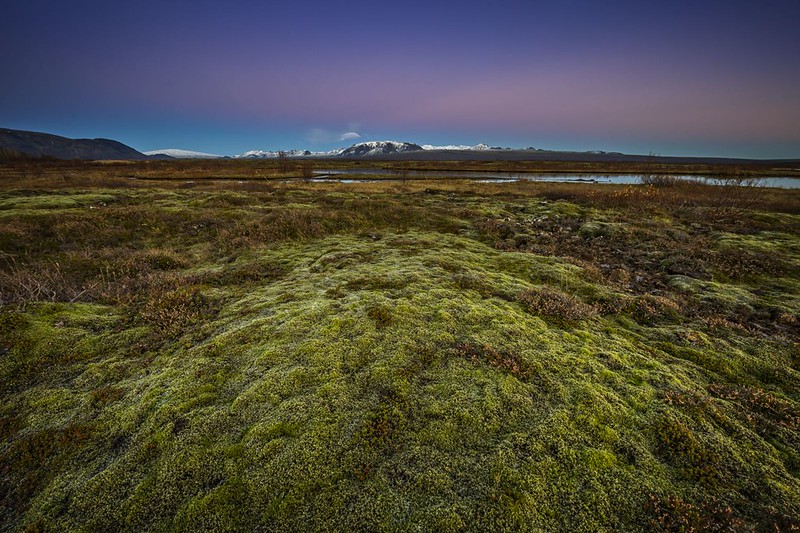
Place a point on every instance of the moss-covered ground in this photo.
(390, 357)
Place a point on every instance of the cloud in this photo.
(323, 136)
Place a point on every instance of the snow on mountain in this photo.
(477, 147)
(367, 149)
(373, 148)
(182, 154)
(270, 154)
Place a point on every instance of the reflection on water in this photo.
(511, 177)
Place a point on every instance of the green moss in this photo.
(595, 229)
(347, 362)
(61, 201)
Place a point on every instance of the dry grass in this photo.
(556, 305)
(203, 353)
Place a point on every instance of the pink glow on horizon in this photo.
(523, 71)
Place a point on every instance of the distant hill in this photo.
(178, 153)
(8, 154)
(407, 151)
(36, 144)
(532, 154)
(18, 144)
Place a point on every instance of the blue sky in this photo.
(699, 78)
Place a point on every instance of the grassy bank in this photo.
(443, 356)
(57, 173)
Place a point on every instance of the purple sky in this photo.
(704, 78)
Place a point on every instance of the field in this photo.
(186, 353)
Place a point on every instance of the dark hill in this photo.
(36, 144)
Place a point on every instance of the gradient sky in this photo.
(675, 78)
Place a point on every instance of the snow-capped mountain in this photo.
(477, 147)
(268, 154)
(373, 148)
(182, 154)
(366, 149)
(274, 154)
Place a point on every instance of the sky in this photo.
(706, 77)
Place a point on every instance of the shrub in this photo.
(307, 170)
(733, 194)
(487, 354)
(555, 305)
(43, 282)
(738, 264)
(648, 308)
(243, 274)
(761, 406)
(661, 180)
(160, 259)
(671, 513)
(170, 311)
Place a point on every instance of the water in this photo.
(511, 177)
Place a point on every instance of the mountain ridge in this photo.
(37, 144)
(16, 143)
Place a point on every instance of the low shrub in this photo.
(170, 311)
(673, 514)
(487, 354)
(243, 274)
(649, 308)
(663, 180)
(761, 406)
(737, 264)
(46, 281)
(555, 305)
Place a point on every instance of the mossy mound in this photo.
(395, 362)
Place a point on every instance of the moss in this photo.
(62, 201)
(595, 229)
(357, 361)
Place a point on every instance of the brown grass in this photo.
(556, 305)
(486, 354)
(28, 174)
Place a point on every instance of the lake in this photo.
(511, 177)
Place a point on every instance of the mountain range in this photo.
(37, 145)
(18, 143)
(366, 149)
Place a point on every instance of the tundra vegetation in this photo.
(224, 355)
